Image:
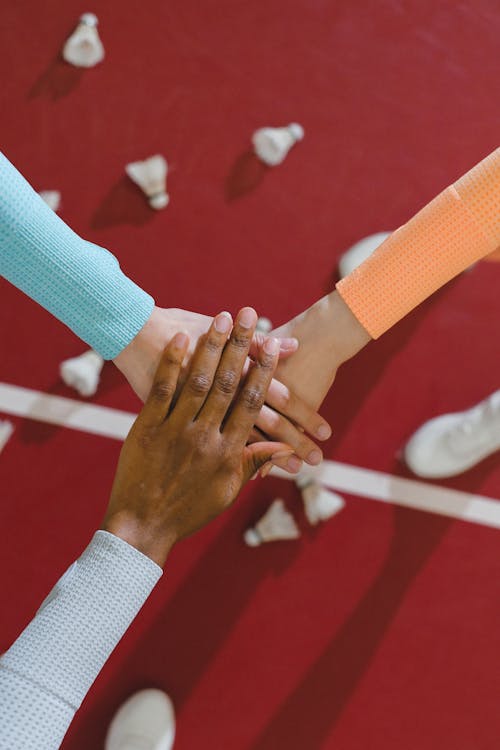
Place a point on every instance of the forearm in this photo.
(80, 283)
(459, 227)
(47, 672)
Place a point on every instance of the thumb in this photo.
(258, 454)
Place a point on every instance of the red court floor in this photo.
(378, 630)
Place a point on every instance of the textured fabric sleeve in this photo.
(77, 281)
(460, 226)
(47, 672)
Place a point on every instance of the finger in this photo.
(227, 378)
(253, 392)
(162, 391)
(278, 427)
(283, 400)
(258, 454)
(290, 463)
(204, 363)
(288, 346)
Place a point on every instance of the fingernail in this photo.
(247, 317)
(314, 457)
(265, 470)
(323, 432)
(294, 463)
(223, 322)
(180, 340)
(271, 346)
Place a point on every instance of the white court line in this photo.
(99, 420)
(409, 493)
(375, 485)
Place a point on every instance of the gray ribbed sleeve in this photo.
(46, 674)
(78, 282)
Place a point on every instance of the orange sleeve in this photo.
(460, 226)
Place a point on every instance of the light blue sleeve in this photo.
(78, 282)
(47, 672)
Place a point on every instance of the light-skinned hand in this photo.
(285, 417)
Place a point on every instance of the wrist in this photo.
(138, 361)
(344, 334)
(155, 544)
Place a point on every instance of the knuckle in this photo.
(172, 359)
(252, 398)
(284, 399)
(199, 383)
(226, 381)
(240, 340)
(212, 344)
(274, 421)
(266, 362)
(162, 390)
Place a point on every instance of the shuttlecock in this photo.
(151, 176)
(358, 253)
(52, 198)
(84, 47)
(320, 504)
(277, 523)
(6, 430)
(272, 144)
(82, 373)
(264, 325)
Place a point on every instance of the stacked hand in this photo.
(186, 456)
(285, 417)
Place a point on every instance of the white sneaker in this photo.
(146, 721)
(359, 252)
(450, 444)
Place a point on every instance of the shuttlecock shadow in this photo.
(315, 704)
(247, 173)
(58, 80)
(124, 204)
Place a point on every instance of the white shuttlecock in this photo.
(6, 430)
(151, 176)
(320, 504)
(272, 144)
(84, 47)
(277, 523)
(52, 198)
(264, 325)
(82, 373)
(361, 251)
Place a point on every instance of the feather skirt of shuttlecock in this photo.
(83, 373)
(276, 524)
(151, 176)
(84, 48)
(273, 144)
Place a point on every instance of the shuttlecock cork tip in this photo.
(89, 19)
(296, 130)
(159, 201)
(251, 538)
